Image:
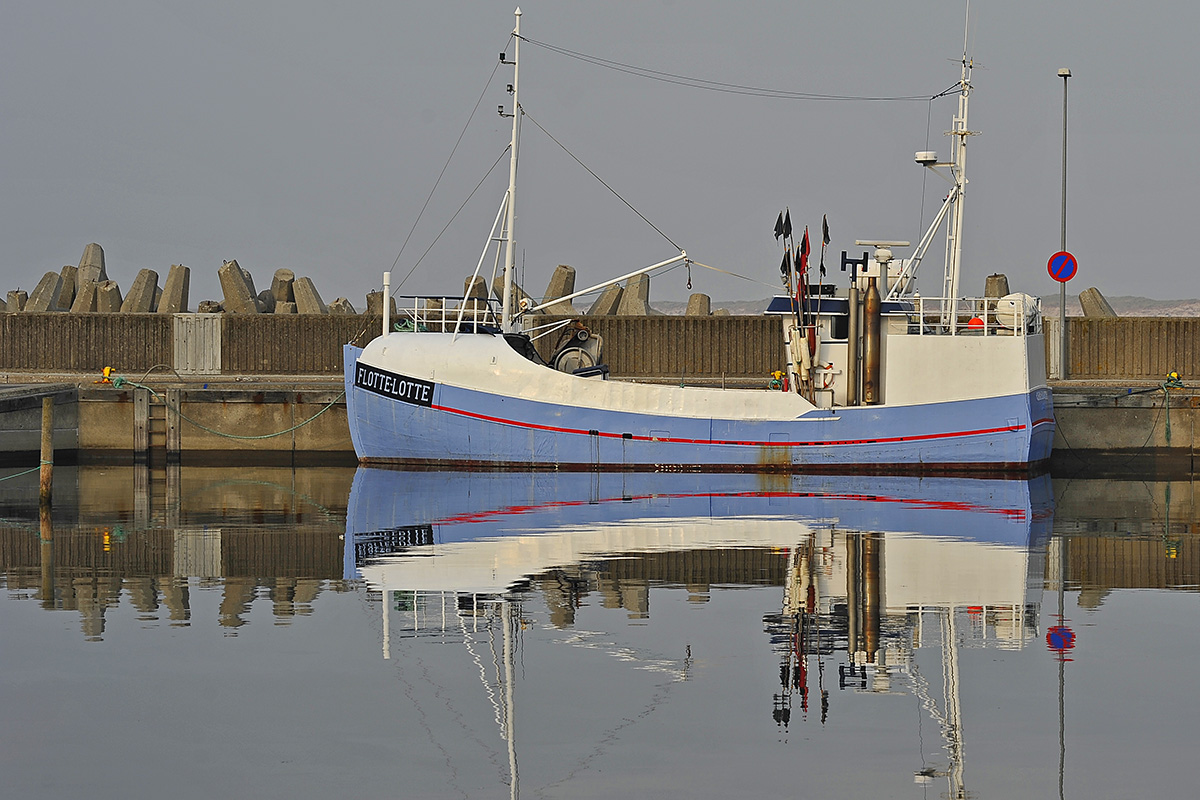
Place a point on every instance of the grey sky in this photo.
(300, 135)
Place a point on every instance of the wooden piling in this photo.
(47, 553)
(47, 473)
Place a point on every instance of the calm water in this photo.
(317, 633)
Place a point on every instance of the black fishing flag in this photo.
(787, 224)
(779, 226)
(824, 241)
(803, 260)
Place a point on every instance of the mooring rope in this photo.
(118, 382)
(1173, 381)
(26, 472)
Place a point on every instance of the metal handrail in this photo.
(441, 313)
(972, 316)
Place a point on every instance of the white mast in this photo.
(952, 206)
(511, 250)
(958, 169)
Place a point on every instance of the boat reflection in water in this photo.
(870, 570)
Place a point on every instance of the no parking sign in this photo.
(1062, 266)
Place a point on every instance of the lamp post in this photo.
(1063, 73)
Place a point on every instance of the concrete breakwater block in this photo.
(174, 298)
(238, 292)
(17, 300)
(140, 299)
(45, 296)
(375, 304)
(562, 283)
(308, 299)
(285, 307)
(91, 265)
(996, 285)
(1095, 304)
(254, 294)
(607, 303)
(635, 300)
(282, 286)
(85, 298)
(519, 295)
(475, 287)
(341, 306)
(66, 294)
(209, 307)
(475, 290)
(266, 302)
(699, 305)
(108, 297)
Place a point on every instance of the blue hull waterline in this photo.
(398, 420)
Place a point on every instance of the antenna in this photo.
(966, 31)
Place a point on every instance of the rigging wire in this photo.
(733, 274)
(445, 166)
(715, 86)
(597, 177)
(644, 72)
(451, 220)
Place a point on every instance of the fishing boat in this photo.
(878, 377)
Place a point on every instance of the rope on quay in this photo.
(26, 472)
(1173, 381)
(118, 382)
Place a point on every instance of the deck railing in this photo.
(972, 316)
(441, 314)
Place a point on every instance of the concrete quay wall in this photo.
(704, 348)
(21, 420)
(215, 425)
(190, 344)
(1128, 348)
(1102, 430)
(1115, 430)
(266, 424)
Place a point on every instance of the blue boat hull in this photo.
(471, 429)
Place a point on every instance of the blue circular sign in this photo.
(1062, 266)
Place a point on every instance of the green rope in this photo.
(26, 472)
(118, 382)
(1172, 382)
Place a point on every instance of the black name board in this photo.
(397, 540)
(389, 384)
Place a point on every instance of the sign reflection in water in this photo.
(870, 570)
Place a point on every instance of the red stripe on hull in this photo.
(673, 440)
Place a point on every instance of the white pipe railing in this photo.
(972, 316)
